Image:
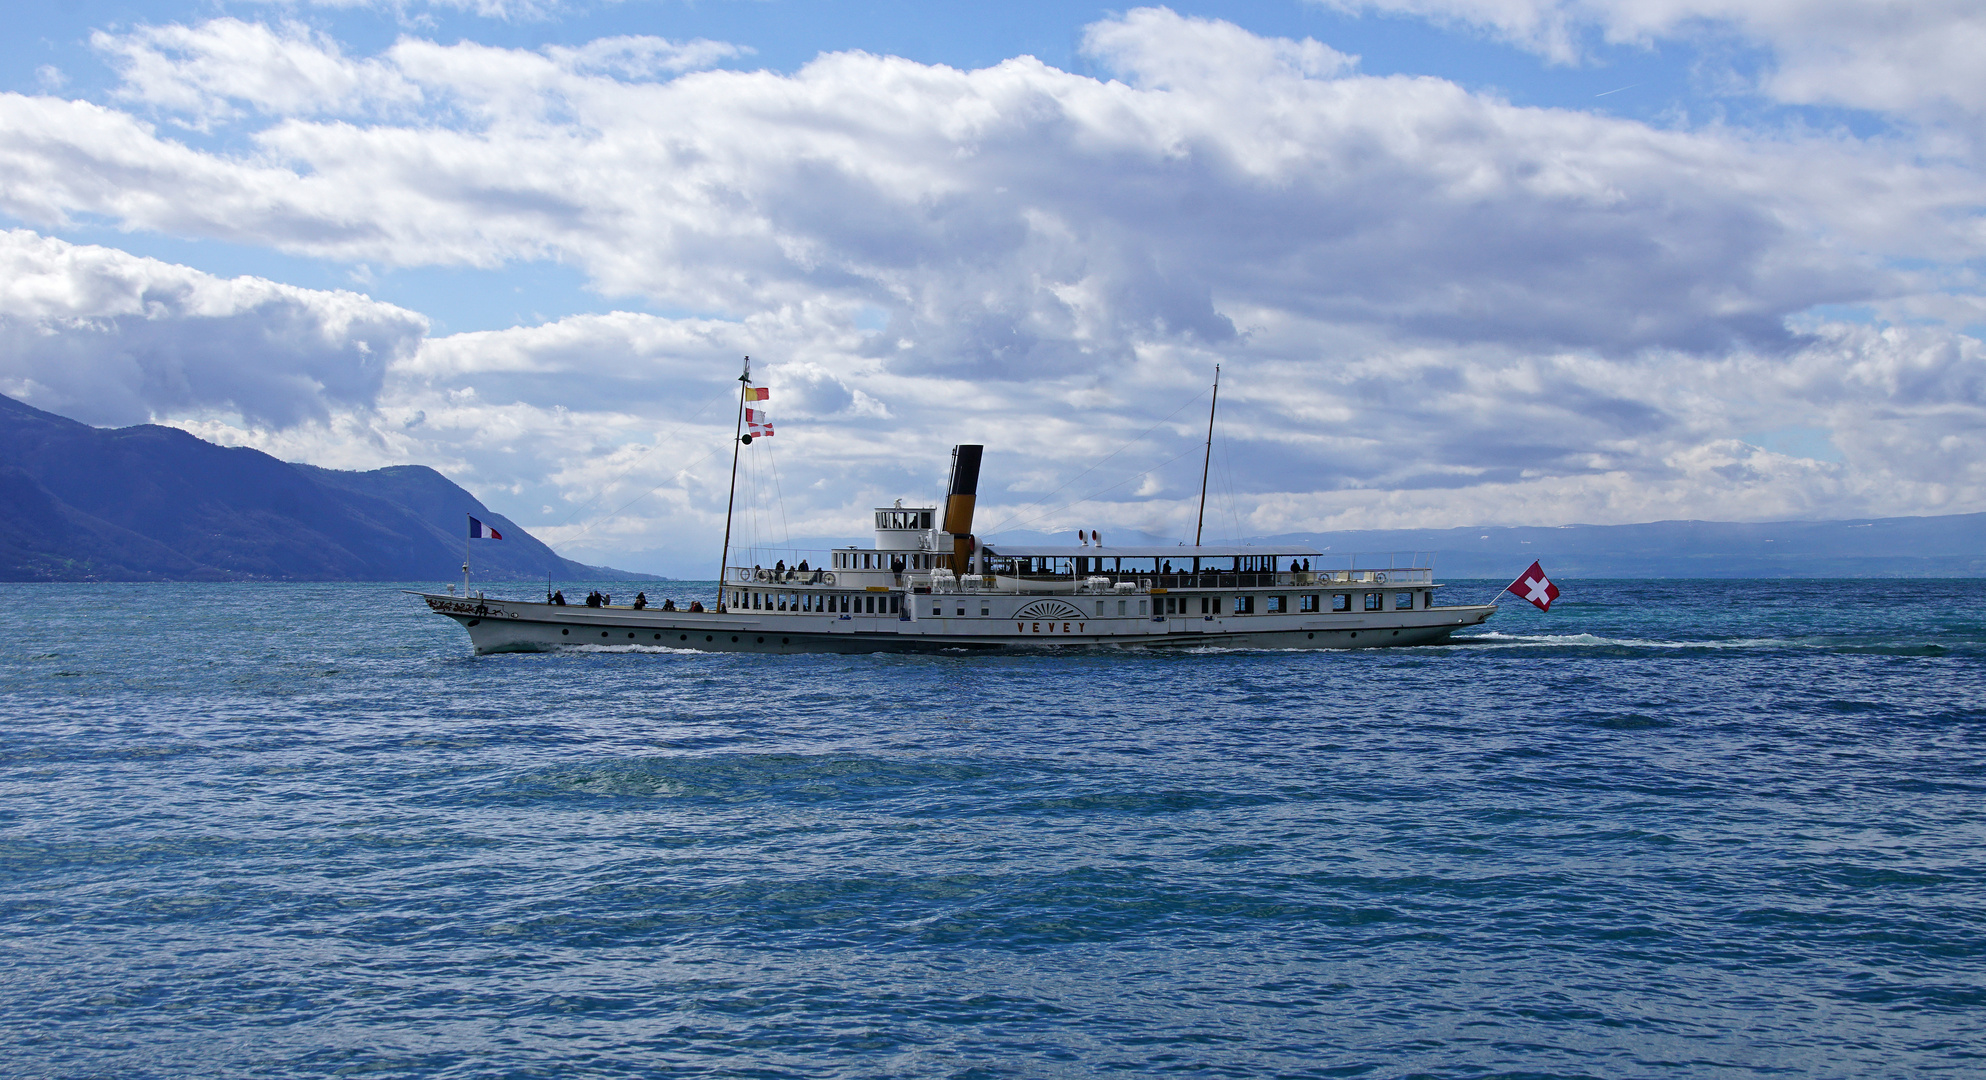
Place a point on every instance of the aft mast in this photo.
(738, 439)
(1209, 461)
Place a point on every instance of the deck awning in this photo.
(1176, 554)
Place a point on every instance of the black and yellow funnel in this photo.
(958, 503)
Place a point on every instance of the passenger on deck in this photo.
(896, 564)
(593, 598)
(640, 600)
(669, 605)
(559, 598)
(696, 605)
(803, 566)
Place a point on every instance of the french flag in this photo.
(479, 531)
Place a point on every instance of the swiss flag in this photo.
(1534, 586)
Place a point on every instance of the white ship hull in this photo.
(496, 626)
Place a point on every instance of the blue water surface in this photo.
(1672, 828)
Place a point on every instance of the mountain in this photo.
(151, 503)
(1947, 546)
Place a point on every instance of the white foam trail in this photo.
(662, 649)
(1497, 639)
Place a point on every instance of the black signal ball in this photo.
(746, 439)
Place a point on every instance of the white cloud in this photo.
(1434, 306)
(203, 72)
(107, 337)
(1899, 57)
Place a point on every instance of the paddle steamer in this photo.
(926, 584)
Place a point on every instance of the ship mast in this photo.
(738, 439)
(1208, 463)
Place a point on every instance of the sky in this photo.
(1461, 262)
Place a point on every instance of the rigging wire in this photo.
(1099, 491)
(609, 485)
(1065, 484)
(1227, 470)
(752, 503)
(785, 530)
(609, 516)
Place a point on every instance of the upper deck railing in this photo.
(1106, 581)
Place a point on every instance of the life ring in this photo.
(827, 579)
(1379, 578)
(761, 575)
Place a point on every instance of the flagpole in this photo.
(1207, 464)
(466, 539)
(723, 560)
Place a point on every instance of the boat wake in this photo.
(655, 649)
(1497, 640)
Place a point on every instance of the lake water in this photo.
(1671, 828)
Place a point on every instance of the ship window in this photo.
(986, 611)
(1209, 604)
(1143, 609)
(1277, 605)
(961, 611)
(1403, 601)
(896, 605)
(1307, 602)
(1341, 601)
(936, 610)
(1244, 605)
(1375, 601)
(1120, 607)
(924, 520)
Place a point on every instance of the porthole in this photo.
(707, 637)
(734, 639)
(603, 633)
(630, 635)
(1312, 635)
(1396, 633)
(761, 640)
(784, 641)
(472, 622)
(1354, 633)
(565, 631)
(682, 637)
(658, 637)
